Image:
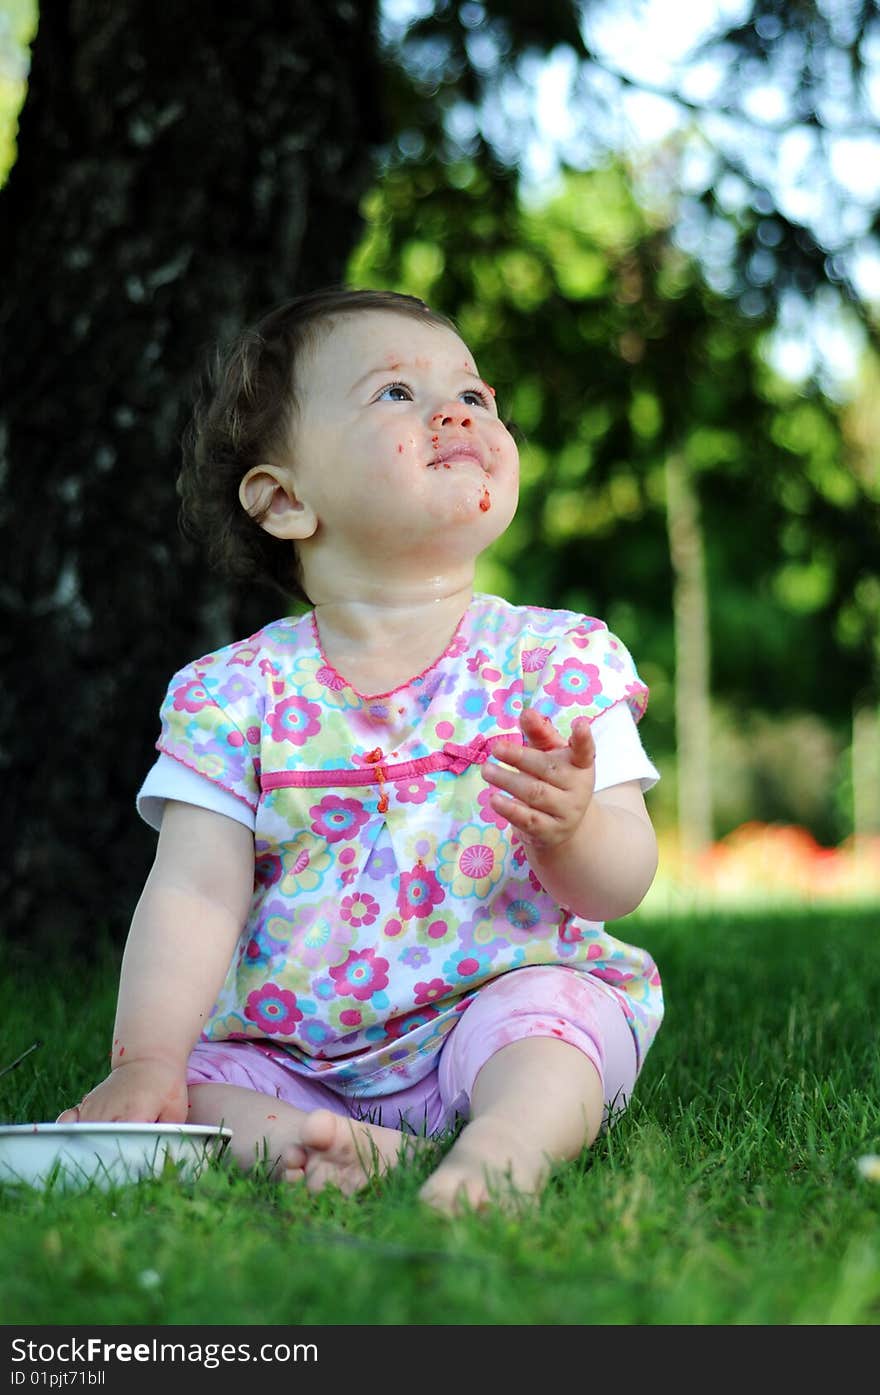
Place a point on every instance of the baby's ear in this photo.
(268, 495)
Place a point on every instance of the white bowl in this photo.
(105, 1154)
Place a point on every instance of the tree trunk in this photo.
(866, 772)
(692, 658)
(180, 168)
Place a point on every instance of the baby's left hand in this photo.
(551, 786)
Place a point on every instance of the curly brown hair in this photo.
(245, 407)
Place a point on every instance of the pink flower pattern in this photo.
(273, 1009)
(338, 819)
(414, 791)
(575, 682)
(431, 991)
(359, 910)
(295, 720)
(419, 893)
(507, 705)
(363, 974)
(190, 697)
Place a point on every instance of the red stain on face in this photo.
(400, 448)
(485, 501)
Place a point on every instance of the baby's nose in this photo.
(453, 415)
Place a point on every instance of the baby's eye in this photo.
(395, 392)
(474, 397)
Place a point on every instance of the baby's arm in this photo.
(596, 854)
(182, 938)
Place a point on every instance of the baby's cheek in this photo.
(503, 452)
(402, 449)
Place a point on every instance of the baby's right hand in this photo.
(139, 1091)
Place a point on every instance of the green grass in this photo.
(729, 1194)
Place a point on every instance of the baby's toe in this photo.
(292, 1158)
(320, 1131)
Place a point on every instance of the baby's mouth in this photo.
(451, 455)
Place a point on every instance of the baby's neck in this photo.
(380, 644)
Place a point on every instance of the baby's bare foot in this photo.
(345, 1153)
(490, 1163)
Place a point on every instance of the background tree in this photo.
(179, 168)
(776, 118)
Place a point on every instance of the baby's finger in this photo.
(543, 766)
(533, 793)
(68, 1116)
(581, 744)
(539, 731)
(531, 822)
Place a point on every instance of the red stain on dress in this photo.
(373, 758)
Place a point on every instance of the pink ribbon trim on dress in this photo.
(453, 757)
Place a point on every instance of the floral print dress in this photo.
(387, 889)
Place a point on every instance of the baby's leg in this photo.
(297, 1127)
(264, 1128)
(534, 1103)
(318, 1146)
(537, 1055)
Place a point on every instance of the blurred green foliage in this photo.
(18, 25)
(608, 350)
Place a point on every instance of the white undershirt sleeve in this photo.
(620, 755)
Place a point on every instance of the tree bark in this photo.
(180, 168)
(692, 658)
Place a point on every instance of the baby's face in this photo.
(398, 443)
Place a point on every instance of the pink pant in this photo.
(542, 1001)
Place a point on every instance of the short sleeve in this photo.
(587, 671)
(168, 779)
(211, 720)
